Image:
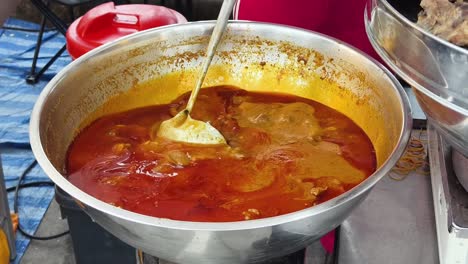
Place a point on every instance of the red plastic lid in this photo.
(107, 22)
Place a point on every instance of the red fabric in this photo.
(341, 19)
(328, 242)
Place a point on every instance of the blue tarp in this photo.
(17, 99)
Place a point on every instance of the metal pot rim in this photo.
(89, 200)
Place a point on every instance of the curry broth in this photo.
(286, 153)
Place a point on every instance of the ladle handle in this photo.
(221, 22)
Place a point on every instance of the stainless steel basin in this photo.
(254, 56)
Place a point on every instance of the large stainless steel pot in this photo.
(435, 68)
(253, 56)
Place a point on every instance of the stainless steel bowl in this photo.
(435, 68)
(254, 56)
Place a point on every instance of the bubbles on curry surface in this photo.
(286, 153)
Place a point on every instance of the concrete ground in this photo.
(56, 251)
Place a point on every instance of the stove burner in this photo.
(450, 200)
(294, 258)
(451, 191)
(299, 257)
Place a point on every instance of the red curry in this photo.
(285, 154)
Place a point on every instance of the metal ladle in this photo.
(184, 128)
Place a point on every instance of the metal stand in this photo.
(34, 76)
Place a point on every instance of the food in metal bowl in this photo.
(435, 68)
(285, 153)
(446, 19)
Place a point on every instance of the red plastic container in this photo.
(108, 22)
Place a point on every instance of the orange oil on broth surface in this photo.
(286, 153)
